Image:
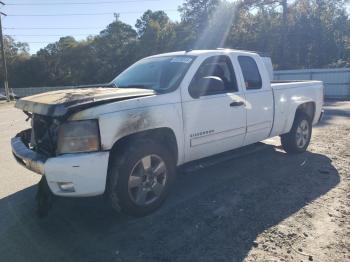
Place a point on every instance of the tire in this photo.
(140, 177)
(298, 139)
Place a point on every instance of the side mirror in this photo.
(209, 85)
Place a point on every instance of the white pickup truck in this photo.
(125, 139)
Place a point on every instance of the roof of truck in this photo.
(205, 52)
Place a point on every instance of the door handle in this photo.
(237, 103)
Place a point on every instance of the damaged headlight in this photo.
(78, 137)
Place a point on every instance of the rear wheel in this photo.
(298, 139)
(140, 177)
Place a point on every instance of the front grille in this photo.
(44, 135)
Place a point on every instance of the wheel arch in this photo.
(308, 108)
(296, 141)
(165, 135)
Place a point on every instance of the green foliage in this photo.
(148, 17)
(296, 34)
(197, 13)
(156, 33)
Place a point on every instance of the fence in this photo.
(336, 81)
(28, 91)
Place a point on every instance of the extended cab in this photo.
(126, 139)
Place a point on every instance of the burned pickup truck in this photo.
(126, 139)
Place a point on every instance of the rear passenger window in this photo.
(250, 72)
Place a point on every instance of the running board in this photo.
(223, 157)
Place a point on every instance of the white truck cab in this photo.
(126, 138)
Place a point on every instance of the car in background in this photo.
(2, 97)
(13, 96)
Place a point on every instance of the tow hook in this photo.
(44, 198)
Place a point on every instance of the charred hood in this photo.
(62, 102)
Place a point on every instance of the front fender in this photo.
(117, 125)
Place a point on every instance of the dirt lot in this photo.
(265, 206)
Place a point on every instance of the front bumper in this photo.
(86, 172)
(26, 157)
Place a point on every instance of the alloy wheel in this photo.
(147, 180)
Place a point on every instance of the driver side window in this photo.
(216, 69)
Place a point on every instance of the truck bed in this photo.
(286, 84)
(288, 81)
(288, 93)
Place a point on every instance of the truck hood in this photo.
(63, 102)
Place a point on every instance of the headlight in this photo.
(78, 137)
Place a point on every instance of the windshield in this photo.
(157, 73)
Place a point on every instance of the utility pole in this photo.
(284, 4)
(7, 91)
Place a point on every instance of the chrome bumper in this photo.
(26, 157)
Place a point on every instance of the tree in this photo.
(16, 54)
(156, 33)
(302, 34)
(195, 16)
(114, 49)
(218, 28)
(149, 17)
(197, 12)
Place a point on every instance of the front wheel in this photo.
(140, 177)
(298, 139)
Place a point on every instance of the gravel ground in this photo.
(264, 206)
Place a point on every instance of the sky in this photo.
(20, 24)
(21, 27)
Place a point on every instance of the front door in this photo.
(215, 122)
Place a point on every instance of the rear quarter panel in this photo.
(288, 97)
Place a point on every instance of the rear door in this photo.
(259, 98)
(214, 122)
